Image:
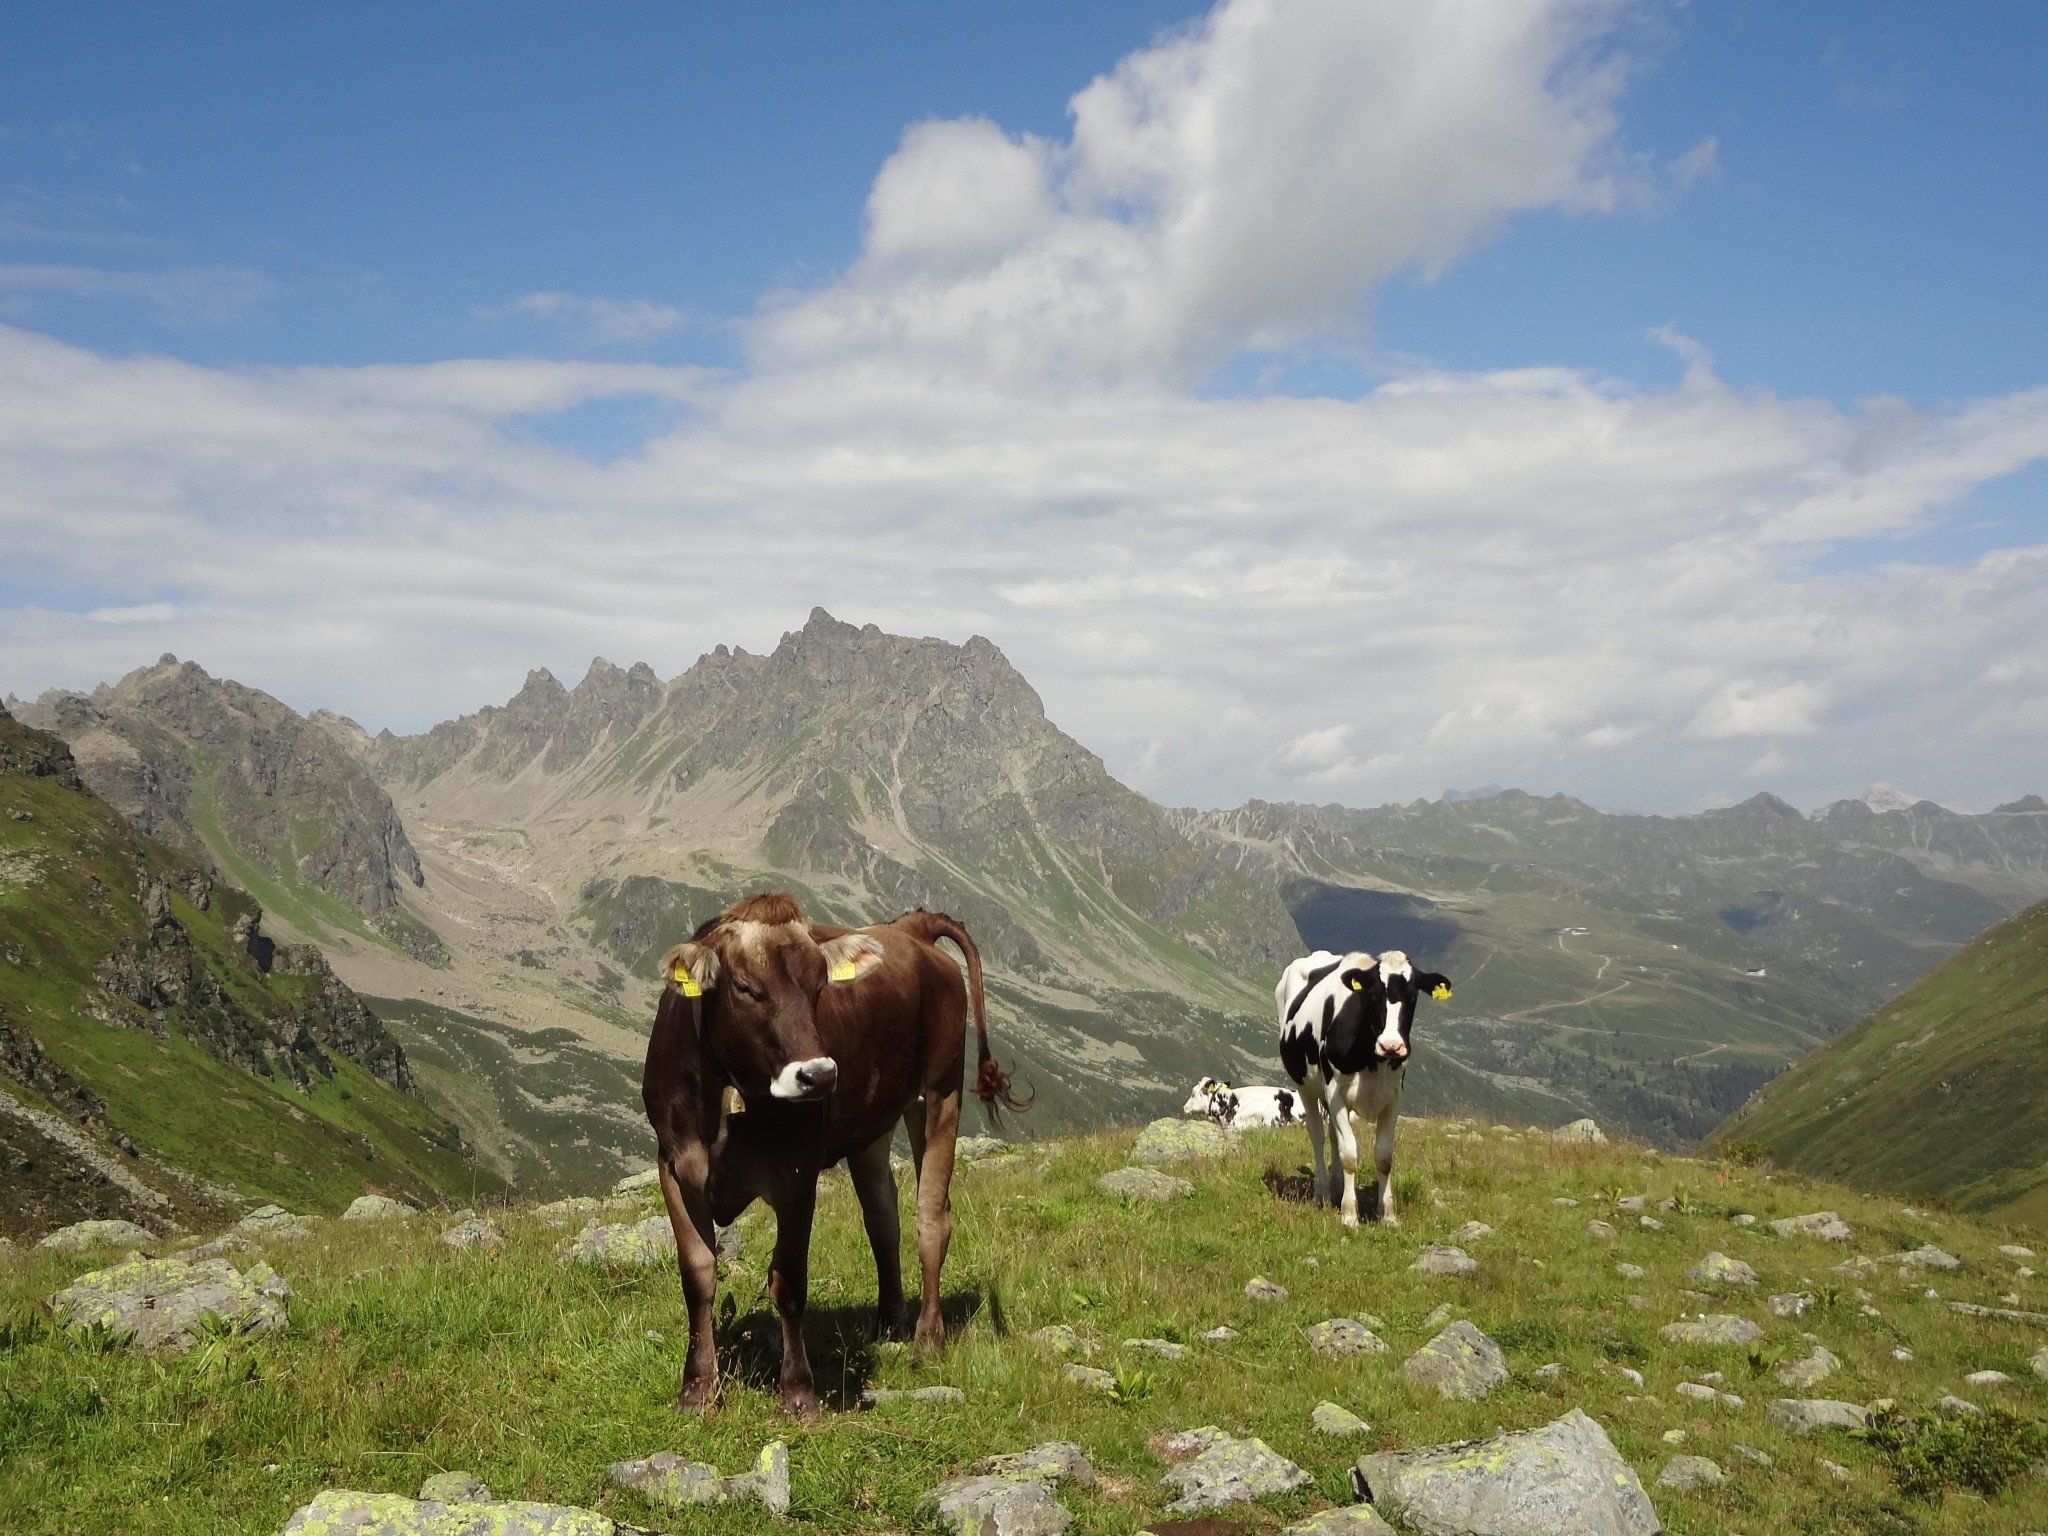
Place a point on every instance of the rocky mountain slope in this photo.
(160, 1055)
(1937, 1095)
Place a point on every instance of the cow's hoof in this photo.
(1349, 1218)
(800, 1403)
(931, 1337)
(1390, 1220)
(697, 1397)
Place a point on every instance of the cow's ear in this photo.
(1433, 984)
(692, 969)
(850, 956)
(1361, 978)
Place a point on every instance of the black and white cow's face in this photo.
(1202, 1100)
(1388, 995)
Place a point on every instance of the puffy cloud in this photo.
(619, 322)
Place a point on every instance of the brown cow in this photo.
(802, 1045)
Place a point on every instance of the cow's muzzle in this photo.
(800, 1080)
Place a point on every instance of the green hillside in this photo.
(1941, 1094)
(160, 1057)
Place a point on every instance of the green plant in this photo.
(1132, 1387)
(1929, 1454)
(1746, 1154)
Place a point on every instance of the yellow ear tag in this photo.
(731, 1102)
(1441, 991)
(685, 983)
(841, 970)
(1356, 986)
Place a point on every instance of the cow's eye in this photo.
(756, 995)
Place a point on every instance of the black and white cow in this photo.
(1243, 1108)
(1344, 1028)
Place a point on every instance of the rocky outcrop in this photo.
(1565, 1477)
(1223, 1469)
(391, 1514)
(166, 1304)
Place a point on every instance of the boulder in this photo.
(874, 1397)
(1926, 1256)
(1259, 1288)
(2038, 1361)
(2003, 1314)
(1582, 1132)
(633, 1183)
(1789, 1303)
(1630, 1271)
(273, 1221)
(1144, 1184)
(1062, 1339)
(1012, 1495)
(378, 1208)
(972, 1149)
(1808, 1373)
(167, 1303)
(574, 1211)
(1987, 1379)
(1460, 1362)
(1803, 1415)
(456, 1488)
(1605, 1230)
(1712, 1328)
(1825, 1225)
(1335, 1419)
(1176, 1141)
(1563, 1479)
(626, 1245)
(1350, 1520)
(1055, 1461)
(475, 1232)
(1342, 1336)
(1440, 1259)
(342, 1510)
(1718, 1269)
(666, 1478)
(1223, 1469)
(1165, 1349)
(2015, 1251)
(1471, 1232)
(1685, 1473)
(1093, 1377)
(82, 1236)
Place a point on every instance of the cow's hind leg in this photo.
(935, 1210)
(689, 1213)
(874, 1182)
(795, 1201)
(1312, 1116)
(1383, 1161)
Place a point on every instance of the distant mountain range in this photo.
(500, 884)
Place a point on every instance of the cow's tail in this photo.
(991, 1082)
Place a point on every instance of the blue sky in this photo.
(1835, 209)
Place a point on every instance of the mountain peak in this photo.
(822, 623)
(1764, 800)
(2024, 803)
(1881, 797)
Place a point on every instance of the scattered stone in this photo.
(1347, 1520)
(1630, 1271)
(1952, 1405)
(475, 1232)
(220, 1247)
(81, 1236)
(633, 1183)
(1335, 1419)
(2003, 1314)
(1224, 1469)
(1631, 1375)
(1703, 1392)
(1471, 1232)
(1790, 1303)
(1554, 1371)
(1834, 1469)
(1712, 1328)
(1673, 1437)
(1926, 1256)
(378, 1208)
(1062, 1339)
(1439, 1314)
(1751, 1453)
(577, 1208)
(1176, 1141)
(1825, 1225)
(1565, 1200)
(1144, 1184)
(1631, 1202)
(666, 1478)
(1094, 1378)
(1565, 1477)
(1220, 1333)
(166, 1304)
(1055, 1461)
(1686, 1473)
(972, 1149)
(875, 1397)
(1439, 1259)
(1165, 1349)
(1808, 1373)
(392, 1514)
(1012, 1495)
(1987, 1379)
(1460, 1362)
(1649, 1224)
(2038, 1360)
(625, 1245)
(1743, 1219)
(1581, 1132)
(1342, 1336)
(455, 1488)
(2015, 1251)
(1718, 1269)
(1601, 1229)
(1803, 1415)
(273, 1221)
(1259, 1288)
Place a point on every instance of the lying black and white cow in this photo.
(1344, 1027)
(1243, 1108)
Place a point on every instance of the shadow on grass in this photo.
(841, 1340)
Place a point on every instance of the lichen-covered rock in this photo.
(1630, 1271)
(1703, 1392)
(1176, 1141)
(666, 1478)
(1012, 1495)
(1926, 1256)
(1144, 1184)
(456, 1488)
(634, 1183)
(1441, 1259)
(972, 1149)
(1223, 1469)
(1342, 1336)
(1581, 1132)
(2038, 1361)
(82, 1236)
(574, 1211)
(273, 1221)
(1803, 1415)
(377, 1208)
(1718, 1269)
(1093, 1377)
(343, 1512)
(1987, 1379)
(625, 1245)
(1055, 1461)
(1825, 1225)
(1335, 1419)
(1810, 1372)
(1789, 1304)
(166, 1303)
(1686, 1473)
(1712, 1328)
(875, 1397)
(1460, 1362)
(1165, 1349)
(475, 1232)
(1259, 1288)
(1350, 1520)
(1471, 1232)
(1604, 1230)
(1563, 1479)
(1062, 1340)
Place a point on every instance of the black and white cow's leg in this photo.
(1345, 1122)
(1383, 1161)
(1312, 1116)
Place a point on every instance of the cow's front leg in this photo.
(1383, 1161)
(689, 1214)
(1345, 1123)
(789, 1283)
(875, 1183)
(1312, 1117)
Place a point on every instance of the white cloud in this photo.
(621, 322)
(1743, 709)
(177, 296)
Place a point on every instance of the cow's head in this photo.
(1393, 989)
(759, 972)
(1204, 1095)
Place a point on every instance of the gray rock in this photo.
(2038, 1362)
(1825, 1225)
(1012, 1495)
(1563, 1479)
(1144, 1184)
(1686, 1473)
(1438, 1315)
(1834, 1469)
(1790, 1304)
(1701, 1392)
(82, 1236)
(1712, 1328)
(1632, 1202)
(1220, 1333)
(1649, 1224)
(475, 1232)
(1349, 1520)
(1055, 1461)
(1630, 1271)
(1926, 1256)
(627, 1245)
(273, 1221)
(2003, 1314)
(221, 1247)
(1808, 1373)
(875, 1397)
(1803, 1415)
(1743, 1219)
(1259, 1288)
(1165, 1349)
(1342, 1336)
(1438, 1259)
(1471, 1232)
(575, 1211)
(1718, 1269)
(1601, 1229)
(1062, 1339)
(1751, 1453)
(1564, 1200)
(166, 1303)
(344, 1512)
(1582, 1132)
(666, 1478)
(633, 1183)
(378, 1208)
(1335, 1419)
(1460, 1362)
(1224, 1469)
(1094, 1378)
(1952, 1405)
(1176, 1141)
(972, 1149)
(2015, 1251)
(455, 1488)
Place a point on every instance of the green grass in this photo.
(404, 1358)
